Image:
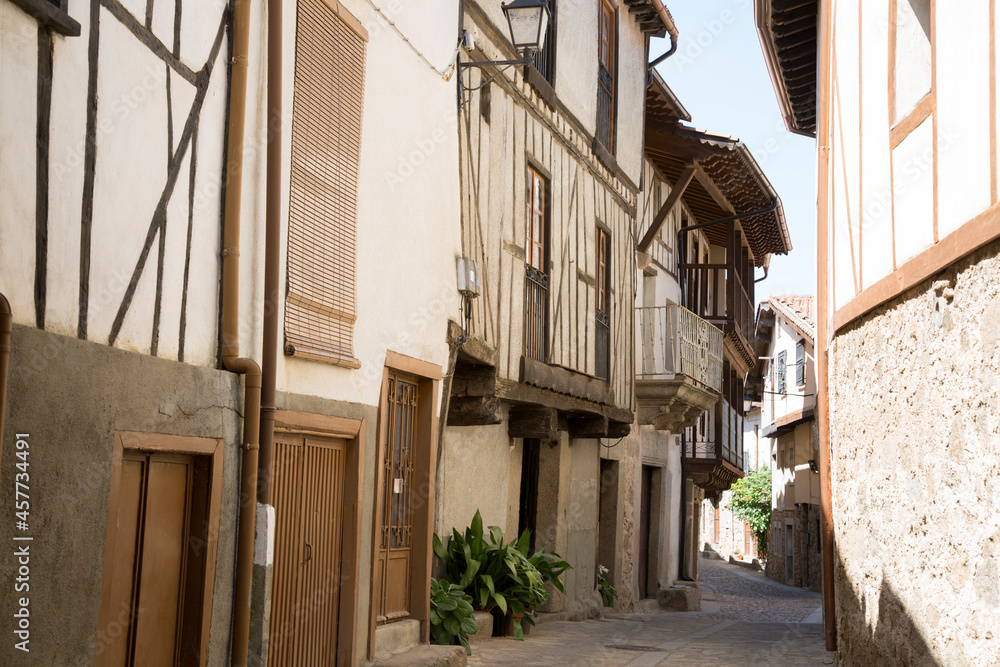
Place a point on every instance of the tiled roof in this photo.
(799, 309)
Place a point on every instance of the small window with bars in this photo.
(781, 371)
(536, 288)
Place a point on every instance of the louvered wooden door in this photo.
(392, 569)
(308, 491)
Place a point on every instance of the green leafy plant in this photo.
(751, 502)
(604, 587)
(500, 575)
(451, 614)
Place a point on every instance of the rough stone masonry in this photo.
(915, 436)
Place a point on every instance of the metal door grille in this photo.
(398, 469)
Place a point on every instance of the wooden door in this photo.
(749, 547)
(308, 491)
(392, 568)
(716, 522)
(155, 587)
(644, 516)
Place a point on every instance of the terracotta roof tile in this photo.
(799, 308)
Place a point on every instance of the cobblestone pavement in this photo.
(745, 619)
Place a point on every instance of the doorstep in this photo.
(425, 655)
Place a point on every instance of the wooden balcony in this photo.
(713, 450)
(718, 293)
(679, 367)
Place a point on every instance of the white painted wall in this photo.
(130, 177)
(796, 397)
(408, 213)
(882, 195)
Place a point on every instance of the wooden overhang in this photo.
(788, 31)
(728, 181)
(652, 17)
(763, 331)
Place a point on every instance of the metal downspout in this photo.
(6, 328)
(272, 235)
(231, 358)
(822, 322)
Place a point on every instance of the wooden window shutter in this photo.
(800, 363)
(320, 302)
(781, 370)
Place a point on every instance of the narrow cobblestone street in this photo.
(764, 623)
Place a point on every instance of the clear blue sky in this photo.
(719, 74)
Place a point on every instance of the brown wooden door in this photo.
(308, 491)
(155, 589)
(392, 568)
(749, 548)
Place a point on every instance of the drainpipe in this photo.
(6, 328)
(823, 336)
(668, 21)
(231, 358)
(272, 235)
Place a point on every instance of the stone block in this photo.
(484, 621)
(679, 598)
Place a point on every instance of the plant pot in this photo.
(510, 624)
(501, 622)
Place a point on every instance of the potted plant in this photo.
(499, 576)
(451, 614)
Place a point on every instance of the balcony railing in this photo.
(731, 311)
(602, 343)
(674, 341)
(536, 301)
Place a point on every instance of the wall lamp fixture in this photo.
(527, 21)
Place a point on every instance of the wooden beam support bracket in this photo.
(676, 192)
(533, 422)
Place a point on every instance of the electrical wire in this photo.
(601, 440)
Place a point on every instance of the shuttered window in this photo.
(800, 363)
(320, 302)
(782, 372)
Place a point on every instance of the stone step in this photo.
(425, 655)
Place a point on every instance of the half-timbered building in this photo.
(229, 429)
(901, 96)
(550, 164)
(708, 218)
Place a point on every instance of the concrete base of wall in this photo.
(427, 655)
(397, 637)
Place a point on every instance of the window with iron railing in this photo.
(536, 283)
(544, 60)
(602, 338)
(606, 76)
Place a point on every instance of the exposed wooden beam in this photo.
(533, 422)
(713, 190)
(675, 196)
(474, 380)
(619, 429)
(474, 411)
(588, 427)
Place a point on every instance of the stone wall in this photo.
(807, 560)
(915, 435)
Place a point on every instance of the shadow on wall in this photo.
(895, 638)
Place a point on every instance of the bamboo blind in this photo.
(320, 307)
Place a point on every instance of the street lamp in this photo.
(527, 21)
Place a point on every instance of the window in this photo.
(320, 307)
(800, 363)
(602, 342)
(536, 295)
(781, 371)
(536, 220)
(545, 60)
(606, 75)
